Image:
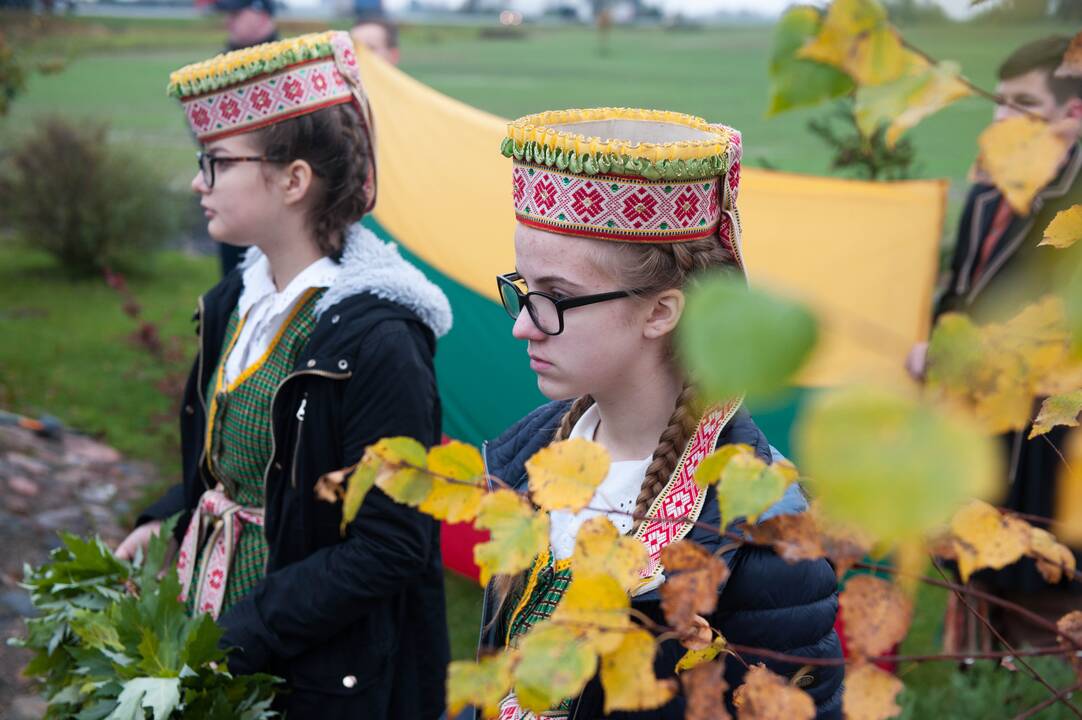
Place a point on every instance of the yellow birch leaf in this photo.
(694, 658)
(482, 684)
(553, 665)
(596, 607)
(1072, 60)
(986, 538)
(902, 103)
(600, 548)
(1058, 410)
(704, 689)
(890, 466)
(400, 463)
(692, 577)
(456, 501)
(565, 475)
(357, 487)
(1054, 560)
(519, 534)
(710, 469)
(1065, 229)
(767, 696)
(856, 37)
(627, 675)
(748, 487)
(1021, 156)
(870, 693)
(793, 537)
(877, 614)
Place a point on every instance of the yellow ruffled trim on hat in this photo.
(537, 129)
(240, 65)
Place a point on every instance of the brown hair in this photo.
(1044, 54)
(390, 29)
(649, 268)
(334, 142)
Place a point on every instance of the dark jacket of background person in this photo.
(766, 602)
(356, 625)
(1019, 272)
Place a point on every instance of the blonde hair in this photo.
(650, 269)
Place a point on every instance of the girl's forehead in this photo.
(539, 253)
(232, 145)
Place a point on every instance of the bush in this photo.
(91, 205)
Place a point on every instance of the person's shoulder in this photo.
(517, 443)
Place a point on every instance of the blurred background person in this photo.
(377, 33)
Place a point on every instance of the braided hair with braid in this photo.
(334, 142)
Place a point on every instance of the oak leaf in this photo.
(877, 614)
(767, 696)
(691, 583)
(565, 474)
(458, 499)
(627, 675)
(553, 665)
(986, 538)
(870, 693)
(1058, 410)
(482, 684)
(1021, 155)
(704, 690)
(1065, 229)
(600, 548)
(518, 534)
(595, 606)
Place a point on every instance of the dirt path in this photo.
(72, 484)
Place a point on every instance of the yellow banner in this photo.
(862, 254)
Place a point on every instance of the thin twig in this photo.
(999, 636)
(1061, 695)
(941, 657)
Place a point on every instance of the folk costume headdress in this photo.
(628, 175)
(255, 87)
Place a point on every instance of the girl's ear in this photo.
(296, 181)
(665, 313)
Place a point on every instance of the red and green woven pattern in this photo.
(239, 443)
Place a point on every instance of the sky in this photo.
(956, 8)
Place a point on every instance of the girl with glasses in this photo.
(319, 346)
(617, 211)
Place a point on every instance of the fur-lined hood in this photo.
(371, 265)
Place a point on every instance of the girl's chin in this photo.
(555, 390)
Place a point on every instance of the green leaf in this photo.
(161, 695)
(554, 665)
(1058, 410)
(481, 684)
(518, 534)
(766, 338)
(904, 102)
(201, 642)
(357, 487)
(407, 485)
(95, 630)
(749, 487)
(796, 82)
(890, 465)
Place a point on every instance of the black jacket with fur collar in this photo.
(356, 624)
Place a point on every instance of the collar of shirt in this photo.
(259, 284)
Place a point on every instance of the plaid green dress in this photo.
(239, 444)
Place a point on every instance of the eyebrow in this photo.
(558, 280)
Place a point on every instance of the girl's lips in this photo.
(537, 364)
(207, 212)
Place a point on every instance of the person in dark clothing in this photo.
(320, 345)
(999, 267)
(601, 268)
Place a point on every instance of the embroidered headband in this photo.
(625, 174)
(252, 88)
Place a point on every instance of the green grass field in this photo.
(66, 348)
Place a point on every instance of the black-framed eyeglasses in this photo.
(546, 311)
(207, 162)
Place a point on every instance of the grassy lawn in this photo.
(67, 350)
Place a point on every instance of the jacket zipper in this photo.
(297, 444)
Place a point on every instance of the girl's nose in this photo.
(525, 329)
(199, 186)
